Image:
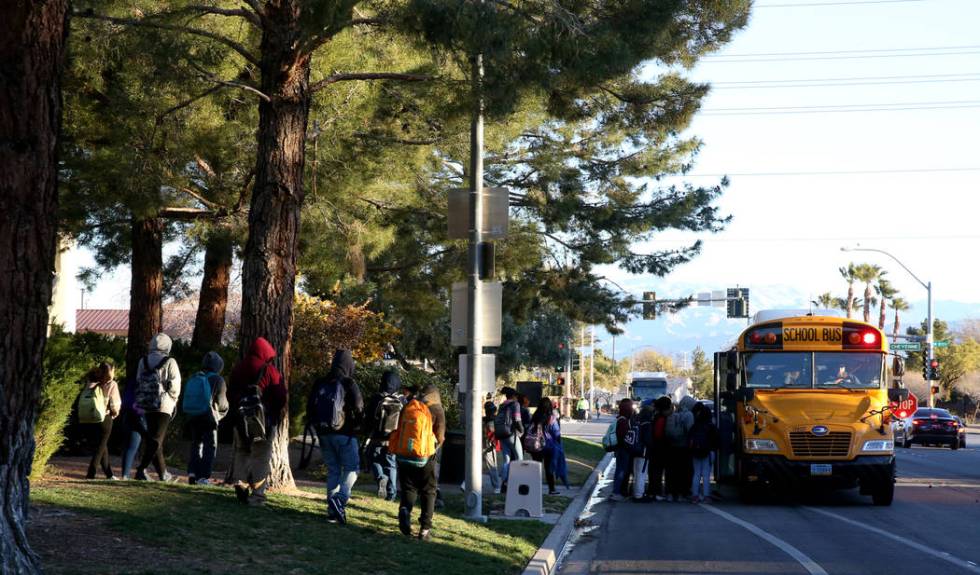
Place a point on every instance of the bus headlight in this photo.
(760, 445)
(879, 445)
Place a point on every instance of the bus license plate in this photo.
(821, 469)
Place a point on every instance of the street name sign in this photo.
(906, 346)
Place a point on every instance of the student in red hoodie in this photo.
(257, 396)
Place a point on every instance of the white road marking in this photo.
(962, 563)
(809, 564)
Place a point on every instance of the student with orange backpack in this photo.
(421, 429)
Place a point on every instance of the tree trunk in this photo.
(882, 315)
(850, 300)
(145, 289)
(867, 303)
(213, 299)
(897, 324)
(269, 271)
(32, 46)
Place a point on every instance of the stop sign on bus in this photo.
(903, 409)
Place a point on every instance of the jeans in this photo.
(621, 479)
(135, 426)
(204, 446)
(419, 483)
(490, 462)
(702, 472)
(510, 450)
(383, 464)
(340, 453)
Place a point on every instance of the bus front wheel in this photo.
(883, 495)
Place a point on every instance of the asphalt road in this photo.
(933, 526)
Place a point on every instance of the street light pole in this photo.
(929, 321)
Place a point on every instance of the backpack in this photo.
(609, 440)
(634, 438)
(503, 422)
(413, 441)
(674, 430)
(92, 405)
(149, 385)
(386, 415)
(251, 411)
(535, 439)
(659, 427)
(699, 441)
(197, 394)
(328, 406)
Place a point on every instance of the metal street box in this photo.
(496, 213)
(493, 295)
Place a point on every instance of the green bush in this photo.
(67, 357)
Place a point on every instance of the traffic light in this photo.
(738, 302)
(926, 371)
(649, 305)
(935, 390)
(576, 363)
(934, 369)
(560, 368)
(560, 381)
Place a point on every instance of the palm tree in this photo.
(825, 301)
(898, 304)
(867, 274)
(887, 293)
(841, 303)
(849, 275)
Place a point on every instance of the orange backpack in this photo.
(413, 438)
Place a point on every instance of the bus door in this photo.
(726, 380)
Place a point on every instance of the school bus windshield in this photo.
(808, 370)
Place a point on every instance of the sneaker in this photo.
(659, 498)
(241, 492)
(616, 497)
(203, 481)
(141, 476)
(337, 508)
(405, 521)
(191, 480)
(496, 491)
(553, 492)
(170, 478)
(112, 478)
(425, 534)
(383, 487)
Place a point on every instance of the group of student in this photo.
(149, 403)
(665, 450)
(512, 431)
(404, 426)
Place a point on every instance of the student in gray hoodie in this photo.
(158, 418)
(204, 426)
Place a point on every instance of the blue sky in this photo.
(784, 240)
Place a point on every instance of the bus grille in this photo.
(834, 444)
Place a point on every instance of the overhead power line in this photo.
(840, 84)
(843, 79)
(842, 108)
(836, 172)
(729, 60)
(859, 51)
(839, 3)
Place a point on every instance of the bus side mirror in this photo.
(745, 395)
(898, 366)
(731, 370)
(897, 395)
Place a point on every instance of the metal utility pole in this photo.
(592, 369)
(930, 340)
(581, 367)
(474, 415)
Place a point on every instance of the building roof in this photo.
(107, 321)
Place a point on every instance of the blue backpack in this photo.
(197, 394)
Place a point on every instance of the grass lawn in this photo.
(582, 457)
(193, 529)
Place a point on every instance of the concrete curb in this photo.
(546, 557)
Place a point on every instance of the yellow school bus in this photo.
(803, 401)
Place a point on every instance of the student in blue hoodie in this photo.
(204, 426)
